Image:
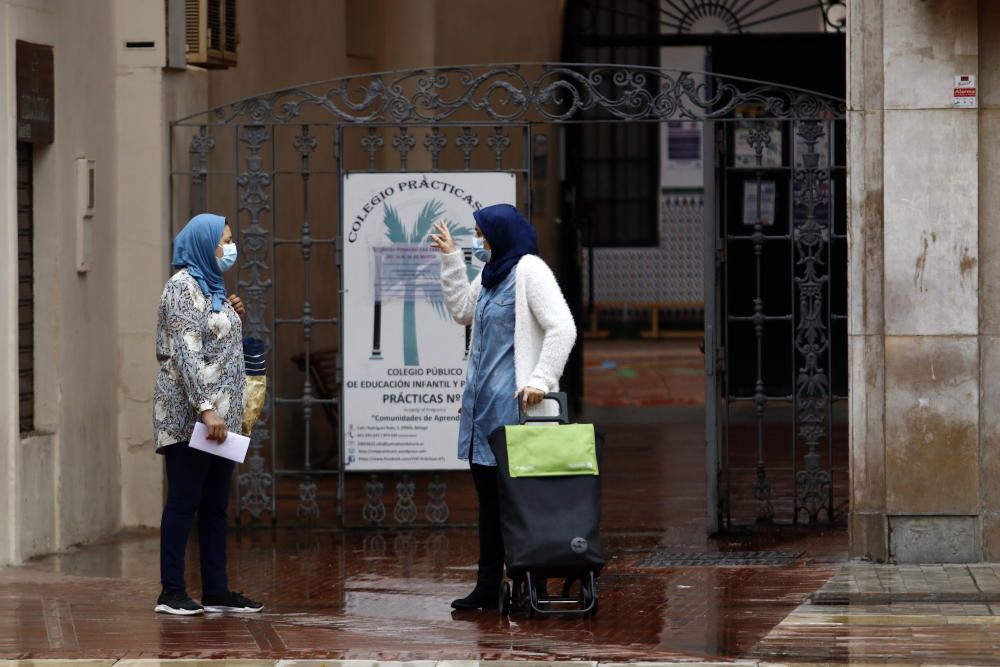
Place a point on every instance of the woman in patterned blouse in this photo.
(199, 347)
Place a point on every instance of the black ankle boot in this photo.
(486, 595)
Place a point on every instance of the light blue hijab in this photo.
(194, 249)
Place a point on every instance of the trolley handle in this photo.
(557, 396)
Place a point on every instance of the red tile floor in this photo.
(644, 372)
(385, 595)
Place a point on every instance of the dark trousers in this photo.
(490, 539)
(197, 482)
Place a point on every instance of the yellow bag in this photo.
(254, 357)
(256, 395)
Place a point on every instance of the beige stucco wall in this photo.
(62, 486)
(91, 468)
(147, 98)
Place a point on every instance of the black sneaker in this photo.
(178, 604)
(231, 602)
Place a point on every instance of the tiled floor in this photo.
(385, 596)
(368, 596)
(905, 613)
(644, 373)
(380, 597)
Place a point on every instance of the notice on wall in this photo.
(404, 356)
(759, 202)
(964, 94)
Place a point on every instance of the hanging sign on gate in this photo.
(404, 356)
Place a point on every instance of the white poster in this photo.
(764, 210)
(404, 356)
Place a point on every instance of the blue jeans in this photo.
(197, 482)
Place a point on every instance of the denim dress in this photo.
(488, 401)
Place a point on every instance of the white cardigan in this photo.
(544, 331)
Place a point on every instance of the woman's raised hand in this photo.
(442, 239)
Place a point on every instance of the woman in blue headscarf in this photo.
(523, 333)
(199, 346)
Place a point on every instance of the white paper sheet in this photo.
(234, 447)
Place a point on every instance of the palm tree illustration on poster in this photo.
(410, 272)
(404, 357)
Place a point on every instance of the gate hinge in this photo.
(720, 360)
(339, 254)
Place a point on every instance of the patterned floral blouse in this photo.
(201, 362)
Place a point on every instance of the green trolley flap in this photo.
(551, 451)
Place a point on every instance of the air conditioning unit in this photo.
(210, 33)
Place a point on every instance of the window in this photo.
(617, 164)
(25, 288)
(210, 34)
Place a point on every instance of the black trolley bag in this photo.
(550, 512)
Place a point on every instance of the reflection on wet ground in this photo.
(385, 595)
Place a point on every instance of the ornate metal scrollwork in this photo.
(255, 484)
(404, 143)
(201, 146)
(811, 238)
(437, 507)
(759, 138)
(308, 507)
(372, 142)
(467, 143)
(559, 92)
(374, 510)
(254, 284)
(499, 142)
(493, 97)
(435, 143)
(405, 510)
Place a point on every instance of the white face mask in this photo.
(228, 256)
(479, 250)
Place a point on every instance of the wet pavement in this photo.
(669, 592)
(386, 597)
(370, 595)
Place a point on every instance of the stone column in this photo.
(866, 324)
(914, 289)
(989, 276)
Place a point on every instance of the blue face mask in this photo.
(479, 250)
(228, 256)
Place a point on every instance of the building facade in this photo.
(90, 88)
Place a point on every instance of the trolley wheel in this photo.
(505, 598)
(521, 600)
(588, 596)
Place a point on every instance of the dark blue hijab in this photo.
(511, 237)
(194, 249)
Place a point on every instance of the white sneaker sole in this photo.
(232, 610)
(167, 609)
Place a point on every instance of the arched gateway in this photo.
(775, 251)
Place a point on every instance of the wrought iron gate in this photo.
(780, 294)
(273, 163)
